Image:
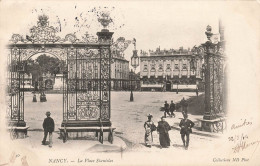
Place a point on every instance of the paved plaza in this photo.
(127, 117)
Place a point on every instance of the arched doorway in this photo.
(168, 86)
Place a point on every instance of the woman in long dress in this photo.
(149, 128)
(162, 129)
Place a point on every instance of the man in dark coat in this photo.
(172, 108)
(166, 109)
(184, 107)
(48, 126)
(186, 126)
(162, 129)
(197, 92)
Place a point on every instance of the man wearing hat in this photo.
(186, 126)
(166, 109)
(48, 126)
(184, 105)
(172, 108)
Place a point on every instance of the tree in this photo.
(48, 64)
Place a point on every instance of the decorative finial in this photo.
(134, 43)
(208, 32)
(43, 20)
(105, 19)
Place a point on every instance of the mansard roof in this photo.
(168, 53)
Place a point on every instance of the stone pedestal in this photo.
(104, 35)
(87, 130)
(85, 123)
(214, 125)
(13, 123)
(17, 130)
(85, 136)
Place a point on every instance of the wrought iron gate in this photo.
(86, 83)
(214, 84)
(15, 82)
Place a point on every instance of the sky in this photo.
(168, 24)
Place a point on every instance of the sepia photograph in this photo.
(129, 83)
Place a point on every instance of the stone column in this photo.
(180, 68)
(188, 68)
(149, 69)
(172, 67)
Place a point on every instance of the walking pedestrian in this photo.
(34, 98)
(186, 126)
(149, 128)
(36, 86)
(172, 108)
(48, 126)
(197, 92)
(166, 109)
(162, 129)
(184, 107)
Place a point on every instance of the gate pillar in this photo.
(214, 114)
(15, 109)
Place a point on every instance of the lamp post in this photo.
(134, 64)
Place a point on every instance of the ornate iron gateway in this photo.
(215, 83)
(87, 85)
(86, 90)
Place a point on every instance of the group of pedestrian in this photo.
(169, 109)
(163, 126)
(42, 97)
(162, 129)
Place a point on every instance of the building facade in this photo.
(165, 70)
(119, 68)
(119, 73)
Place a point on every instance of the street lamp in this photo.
(134, 64)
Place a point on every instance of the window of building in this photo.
(193, 64)
(160, 67)
(145, 68)
(176, 67)
(152, 67)
(184, 67)
(168, 67)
